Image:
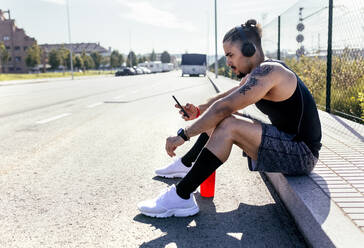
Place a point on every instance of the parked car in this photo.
(125, 72)
(145, 70)
(138, 70)
(153, 66)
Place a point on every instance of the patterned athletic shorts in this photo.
(278, 152)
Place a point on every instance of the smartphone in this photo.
(184, 112)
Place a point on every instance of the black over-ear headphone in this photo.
(247, 47)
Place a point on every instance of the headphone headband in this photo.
(241, 31)
(248, 48)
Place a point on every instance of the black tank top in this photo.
(296, 115)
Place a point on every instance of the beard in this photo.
(240, 75)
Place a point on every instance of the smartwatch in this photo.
(181, 133)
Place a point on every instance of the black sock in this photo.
(204, 166)
(192, 154)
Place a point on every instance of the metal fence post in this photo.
(279, 39)
(329, 59)
(216, 59)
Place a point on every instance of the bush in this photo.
(361, 100)
(347, 83)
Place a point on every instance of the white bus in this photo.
(193, 64)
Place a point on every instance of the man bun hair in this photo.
(252, 31)
(252, 24)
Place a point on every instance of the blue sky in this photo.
(141, 25)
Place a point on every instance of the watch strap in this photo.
(181, 132)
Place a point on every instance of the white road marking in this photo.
(94, 105)
(15, 94)
(136, 91)
(122, 96)
(53, 118)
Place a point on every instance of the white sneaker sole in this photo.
(173, 175)
(174, 212)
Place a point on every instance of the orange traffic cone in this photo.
(207, 188)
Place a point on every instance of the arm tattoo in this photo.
(262, 70)
(252, 81)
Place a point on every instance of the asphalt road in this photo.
(77, 156)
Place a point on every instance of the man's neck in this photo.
(258, 60)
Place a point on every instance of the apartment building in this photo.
(77, 48)
(16, 42)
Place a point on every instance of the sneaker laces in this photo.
(163, 193)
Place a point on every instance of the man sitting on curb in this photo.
(290, 144)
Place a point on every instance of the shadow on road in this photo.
(168, 181)
(246, 226)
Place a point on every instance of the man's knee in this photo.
(232, 126)
(226, 126)
(226, 123)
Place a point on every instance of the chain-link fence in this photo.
(300, 37)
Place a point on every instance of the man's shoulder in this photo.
(274, 65)
(271, 69)
(281, 79)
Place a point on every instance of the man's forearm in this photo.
(218, 111)
(210, 101)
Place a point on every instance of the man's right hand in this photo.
(172, 143)
(191, 110)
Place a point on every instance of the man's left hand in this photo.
(172, 143)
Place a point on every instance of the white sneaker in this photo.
(168, 204)
(174, 170)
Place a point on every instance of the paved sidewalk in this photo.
(328, 205)
(340, 170)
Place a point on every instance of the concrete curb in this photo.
(213, 84)
(320, 220)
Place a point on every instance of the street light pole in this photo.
(129, 55)
(207, 34)
(69, 37)
(215, 40)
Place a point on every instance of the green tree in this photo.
(54, 59)
(84, 59)
(78, 62)
(114, 59)
(165, 57)
(153, 56)
(140, 60)
(68, 61)
(88, 62)
(132, 59)
(33, 56)
(4, 56)
(105, 61)
(121, 59)
(96, 57)
(65, 57)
